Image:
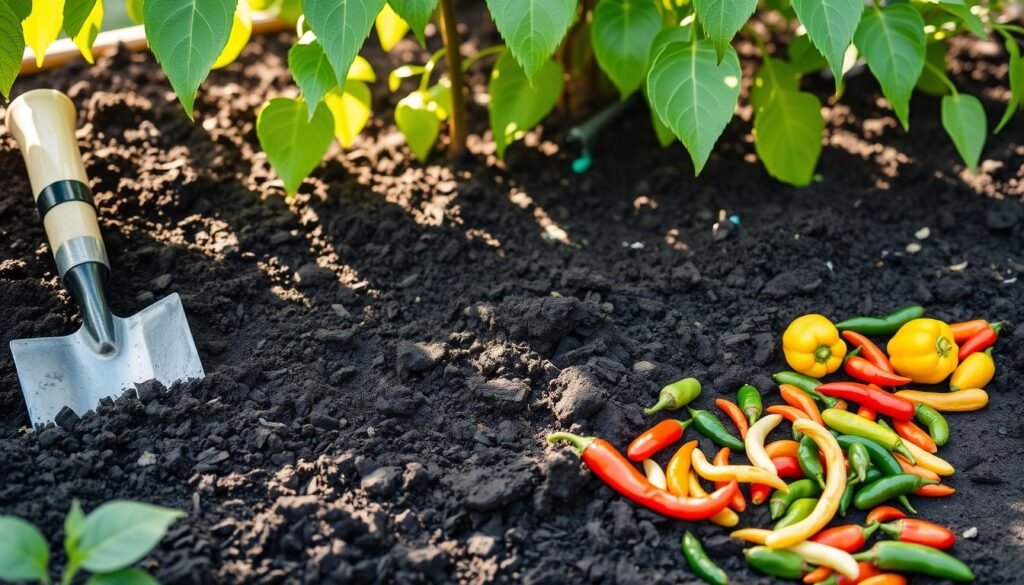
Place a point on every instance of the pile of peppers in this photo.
(857, 443)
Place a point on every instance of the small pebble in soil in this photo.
(913, 248)
(923, 233)
(971, 532)
(146, 459)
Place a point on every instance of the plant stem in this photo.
(457, 117)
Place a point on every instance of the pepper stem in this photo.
(870, 529)
(580, 443)
(822, 354)
(665, 400)
(893, 529)
(870, 556)
(906, 504)
(902, 450)
(943, 346)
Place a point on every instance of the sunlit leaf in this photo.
(830, 25)
(773, 76)
(963, 117)
(892, 41)
(120, 533)
(404, 72)
(391, 28)
(361, 71)
(441, 94)
(532, 29)
(416, 12)
(722, 19)
(134, 9)
(311, 70)
(787, 135)
(294, 143)
(73, 523)
(76, 12)
(24, 554)
(416, 116)
(88, 31)
(1016, 84)
(516, 105)
(42, 26)
(341, 27)
(12, 47)
(351, 110)
(694, 94)
(123, 577)
(961, 10)
(241, 30)
(621, 35)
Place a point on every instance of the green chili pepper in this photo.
(709, 426)
(851, 489)
(676, 395)
(797, 511)
(890, 555)
(810, 463)
(777, 562)
(851, 424)
(749, 400)
(883, 325)
(878, 491)
(859, 459)
(936, 424)
(801, 488)
(700, 563)
(806, 383)
(881, 458)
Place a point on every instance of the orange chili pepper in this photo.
(735, 414)
(797, 398)
(885, 514)
(868, 350)
(967, 329)
(677, 472)
(739, 503)
(818, 575)
(885, 579)
(917, 470)
(936, 490)
(782, 448)
(841, 405)
(867, 413)
(909, 431)
(790, 413)
(867, 570)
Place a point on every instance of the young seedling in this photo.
(106, 542)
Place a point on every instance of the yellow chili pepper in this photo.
(930, 461)
(828, 503)
(677, 473)
(975, 371)
(753, 444)
(924, 351)
(655, 474)
(814, 553)
(727, 517)
(741, 473)
(812, 346)
(961, 401)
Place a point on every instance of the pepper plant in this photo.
(106, 542)
(677, 53)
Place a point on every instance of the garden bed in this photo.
(387, 351)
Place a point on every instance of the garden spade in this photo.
(109, 353)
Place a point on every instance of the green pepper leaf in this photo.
(88, 31)
(341, 27)
(123, 577)
(134, 10)
(1016, 84)
(532, 29)
(76, 12)
(961, 10)
(804, 57)
(773, 76)
(830, 25)
(20, 8)
(350, 108)
(294, 143)
(186, 36)
(418, 119)
(722, 19)
(12, 42)
(120, 533)
(73, 527)
(892, 41)
(694, 94)
(311, 70)
(933, 79)
(415, 12)
(391, 28)
(621, 35)
(24, 554)
(516, 105)
(787, 136)
(963, 117)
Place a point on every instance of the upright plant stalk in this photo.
(457, 117)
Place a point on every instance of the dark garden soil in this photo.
(387, 351)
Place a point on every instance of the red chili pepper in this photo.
(620, 475)
(849, 537)
(735, 414)
(967, 329)
(739, 503)
(885, 514)
(865, 371)
(790, 413)
(787, 467)
(980, 341)
(909, 431)
(868, 350)
(867, 413)
(920, 532)
(876, 399)
(797, 398)
(937, 490)
(656, 438)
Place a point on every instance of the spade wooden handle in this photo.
(43, 122)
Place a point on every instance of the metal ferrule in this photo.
(79, 251)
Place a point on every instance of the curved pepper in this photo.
(786, 467)
(916, 558)
(782, 500)
(812, 346)
(818, 575)
(777, 563)
(740, 473)
(883, 325)
(983, 339)
(739, 503)
(849, 537)
(967, 329)
(929, 461)
(924, 351)
(865, 371)
(782, 448)
(874, 398)
(974, 371)
(884, 514)
(754, 443)
(797, 511)
(881, 458)
(859, 459)
(790, 413)
(917, 470)
(656, 438)
(735, 415)
(812, 552)
(878, 491)
(700, 563)
(677, 473)
(867, 413)
(807, 384)
(620, 475)
(709, 426)
(961, 401)
(725, 517)
(655, 474)
(935, 491)
(835, 483)
(920, 532)
(676, 395)
(749, 400)
(810, 463)
(797, 398)
(936, 424)
(851, 424)
(885, 579)
(912, 433)
(852, 484)
(869, 351)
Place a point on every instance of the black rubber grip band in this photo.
(61, 192)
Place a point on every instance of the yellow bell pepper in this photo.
(924, 351)
(975, 371)
(812, 346)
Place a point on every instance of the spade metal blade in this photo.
(153, 344)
